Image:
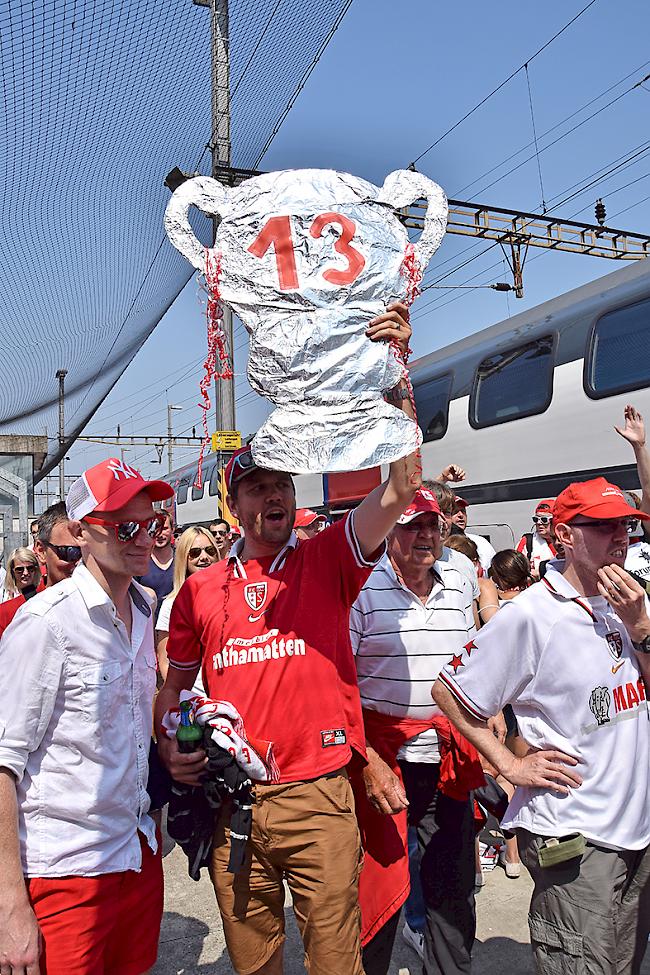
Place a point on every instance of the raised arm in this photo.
(634, 432)
(378, 512)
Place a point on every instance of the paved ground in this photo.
(192, 943)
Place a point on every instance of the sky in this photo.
(392, 81)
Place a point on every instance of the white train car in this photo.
(525, 406)
(529, 405)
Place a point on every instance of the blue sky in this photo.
(394, 78)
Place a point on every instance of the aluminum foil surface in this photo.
(308, 258)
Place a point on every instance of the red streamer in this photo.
(411, 270)
(217, 362)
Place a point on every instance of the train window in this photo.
(197, 492)
(513, 384)
(181, 493)
(618, 358)
(432, 402)
(215, 480)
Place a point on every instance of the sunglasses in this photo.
(242, 463)
(412, 526)
(24, 569)
(195, 553)
(67, 553)
(126, 531)
(606, 526)
(542, 519)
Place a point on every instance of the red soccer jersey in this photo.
(273, 638)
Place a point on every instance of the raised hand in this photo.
(634, 429)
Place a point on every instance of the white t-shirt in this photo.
(162, 626)
(486, 551)
(567, 666)
(638, 560)
(162, 623)
(400, 645)
(464, 565)
(541, 551)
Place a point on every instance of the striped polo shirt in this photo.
(401, 644)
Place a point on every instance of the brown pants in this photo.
(305, 833)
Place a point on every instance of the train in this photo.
(524, 406)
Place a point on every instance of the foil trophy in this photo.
(306, 259)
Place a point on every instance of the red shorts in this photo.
(106, 925)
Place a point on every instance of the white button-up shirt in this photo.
(75, 726)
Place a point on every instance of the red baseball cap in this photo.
(109, 486)
(545, 507)
(593, 499)
(306, 517)
(240, 464)
(423, 503)
(461, 502)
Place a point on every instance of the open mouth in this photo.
(275, 516)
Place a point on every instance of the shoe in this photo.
(513, 870)
(414, 939)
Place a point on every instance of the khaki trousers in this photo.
(305, 833)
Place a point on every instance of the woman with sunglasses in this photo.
(196, 549)
(537, 545)
(23, 574)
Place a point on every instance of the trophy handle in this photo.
(208, 196)
(400, 189)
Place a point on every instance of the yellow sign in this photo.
(226, 440)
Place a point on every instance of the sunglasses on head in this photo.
(542, 519)
(195, 553)
(242, 462)
(67, 553)
(126, 531)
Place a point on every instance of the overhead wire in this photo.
(503, 83)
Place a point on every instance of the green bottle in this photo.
(189, 735)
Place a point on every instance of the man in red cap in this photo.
(79, 858)
(308, 523)
(411, 617)
(537, 545)
(571, 655)
(270, 628)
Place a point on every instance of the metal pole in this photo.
(169, 439)
(221, 156)
(60, 375)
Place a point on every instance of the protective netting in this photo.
(101, 99)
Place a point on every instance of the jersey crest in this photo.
(255, 595)
(615, 644)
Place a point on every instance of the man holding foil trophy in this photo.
(321, 272)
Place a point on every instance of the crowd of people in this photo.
(391, 678)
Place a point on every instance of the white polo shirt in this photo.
(75, 728)
(567, 666)
(401, 643)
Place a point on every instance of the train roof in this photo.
(570, 315)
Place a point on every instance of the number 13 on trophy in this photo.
(277, 233)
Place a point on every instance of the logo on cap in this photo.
(120, 468)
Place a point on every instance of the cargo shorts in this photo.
(589, 915)
(307, 834)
